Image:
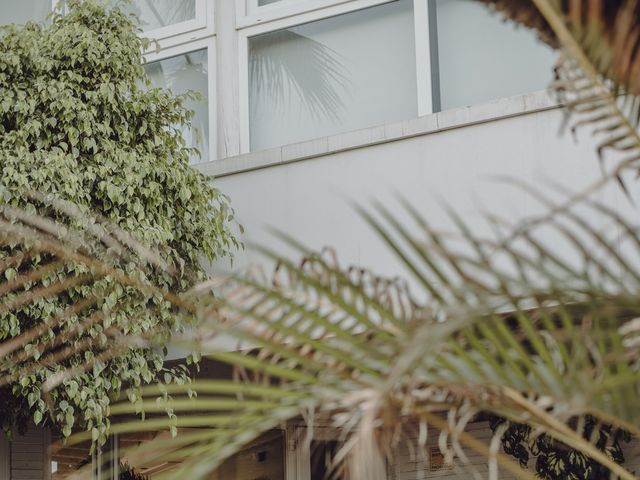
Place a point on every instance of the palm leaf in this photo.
(507, 327)
(311, 72)
(504, 324)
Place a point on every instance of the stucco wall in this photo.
(310, 199)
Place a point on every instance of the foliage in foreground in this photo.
(504, 325)
(79, 121)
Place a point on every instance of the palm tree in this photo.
(500, 324)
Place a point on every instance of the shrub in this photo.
(79, 120)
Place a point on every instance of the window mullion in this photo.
(228, 79)
(434, 56)
(424, 67)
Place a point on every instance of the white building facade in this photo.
(313, 104)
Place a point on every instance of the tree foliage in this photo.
(80, 121)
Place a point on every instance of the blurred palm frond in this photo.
(74, 249)
(504, 325)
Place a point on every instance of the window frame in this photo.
(253, 27)
(208, 44)
(202, 26)
(248, 12)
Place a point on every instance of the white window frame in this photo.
(202, 26)
(186, 26)
(210, 45)
(252, 26)
(249, 13)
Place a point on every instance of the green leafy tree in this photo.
(80, 121)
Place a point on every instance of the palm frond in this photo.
(504, 325)
(606, 30)
(74, 249)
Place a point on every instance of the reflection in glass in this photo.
(337, 74)
(181, 74)
(155, 14)
(21, 11)
(482, 58)
(266, 2)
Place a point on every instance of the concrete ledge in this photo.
(425, 125)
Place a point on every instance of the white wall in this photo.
(310, 199)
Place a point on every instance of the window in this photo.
(482, 58)
(279, 8)
(21, 11)
(155, 14)
(181, 73)
(337, 74)
(172, 22)
(295, 70)
(184, 61)
(322, 454)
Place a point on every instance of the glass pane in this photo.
(338, 74)
(21, 11)
(483, 58)
(155, 14)
(181, 74)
